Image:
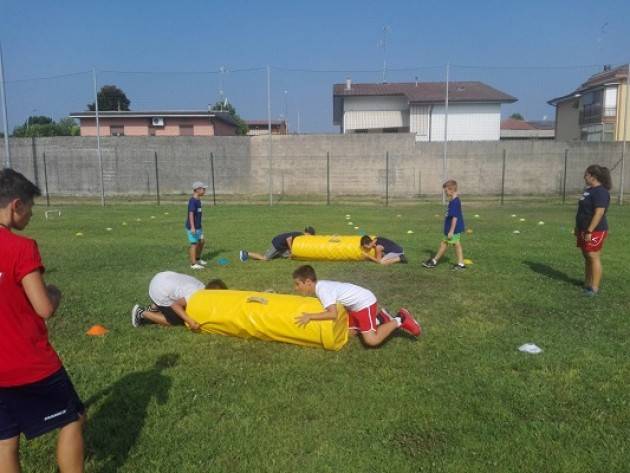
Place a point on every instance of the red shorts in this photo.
(596, 243)
(363, 320)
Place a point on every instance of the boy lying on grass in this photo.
(364, 316)
(386, 251)
(169, 293)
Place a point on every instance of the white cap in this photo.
(198, 184)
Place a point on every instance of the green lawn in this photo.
(462, 398)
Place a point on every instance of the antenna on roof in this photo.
(221, 71)
(416, 81)
(383, 44)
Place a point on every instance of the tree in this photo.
(241, 126)
(110, 98)
(46, 126)
(517, 116)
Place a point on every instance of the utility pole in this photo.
(7, 151)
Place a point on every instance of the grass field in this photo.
(462, 398)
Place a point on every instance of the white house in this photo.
(474, 109)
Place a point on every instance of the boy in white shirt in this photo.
(363, 315)
(170, 293)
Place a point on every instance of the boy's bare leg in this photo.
(459, 251)
(441, 250)
(383, 331)
(70, 447)
(256, 256)
(199, 249)
(9, 455)
(156, 318)
(192, 253)
(390, 260)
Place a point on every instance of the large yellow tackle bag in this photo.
(327, 248)
(266, 316)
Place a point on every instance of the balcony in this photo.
(597, 113)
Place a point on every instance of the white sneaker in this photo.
(136, 316)
(202, 262)
(196, 266)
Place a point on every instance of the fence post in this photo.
(386, 178)
(503, 177)
(328, 178)
(564, 177)
(157, 178)
(46, 180)
(214, 194)
(34, 155)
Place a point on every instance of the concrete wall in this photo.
(299, 164)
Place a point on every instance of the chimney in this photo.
(607, 67)
(348, 84)
(416, 81)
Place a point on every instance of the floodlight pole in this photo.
(444, 158)
(270, 149)
(7, 151)
(98, 138)
(625, 137)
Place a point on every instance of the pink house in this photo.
(159, 123)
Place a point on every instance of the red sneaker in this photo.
(409, 324)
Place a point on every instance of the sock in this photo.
(434, 260)
(398, 320)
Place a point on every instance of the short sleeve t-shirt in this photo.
(592, 198)
(454, 210)
(168, 287)
(194, 206)
(26, 355)
(279, 242)
(388, 245)
(352, 297)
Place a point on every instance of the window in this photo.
(117, 130)
(186, 130)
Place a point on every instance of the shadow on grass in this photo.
(210, 255)
(552, 273)
(113, 430)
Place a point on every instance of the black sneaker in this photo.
(458, 267)
(403, 259)
(136, 315)
(430, 263)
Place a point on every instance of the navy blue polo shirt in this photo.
(454, 210)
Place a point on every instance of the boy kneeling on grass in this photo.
(170, 293)
(364, 316)
(387, 251)
(36, 394)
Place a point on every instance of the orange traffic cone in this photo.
(96, 331)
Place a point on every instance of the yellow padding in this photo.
(327, 248)
(248, 314)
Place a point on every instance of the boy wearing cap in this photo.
(193, 226)
(280, 247)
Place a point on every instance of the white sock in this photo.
(398, 321)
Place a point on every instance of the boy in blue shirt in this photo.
(453, 229)
(193, 226)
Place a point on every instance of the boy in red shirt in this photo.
(36, 394)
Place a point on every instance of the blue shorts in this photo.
(37, 408)
(194, 237)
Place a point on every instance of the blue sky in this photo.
(521, 48)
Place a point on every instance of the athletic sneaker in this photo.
(458, 267)
(590, 293)
(202, 262)
(403, 259)
(196, 266)
(409, 324)
(136, 315)
(243, 255)
(430, 263)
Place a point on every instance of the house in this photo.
(596, 110)
(474, 109)
(261, 127)
(514, 129)
(157, 123)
